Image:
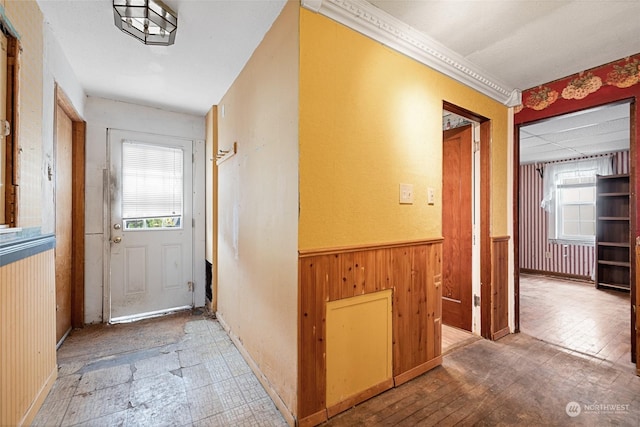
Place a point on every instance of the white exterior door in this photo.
(150, 228)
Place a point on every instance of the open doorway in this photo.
(575, 231)
(460, 229)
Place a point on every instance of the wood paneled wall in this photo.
(562, 260)
(412, 269)
(499, 287)
(27, 338)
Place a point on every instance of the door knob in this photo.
(117, 239)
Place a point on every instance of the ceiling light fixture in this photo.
(150, 21)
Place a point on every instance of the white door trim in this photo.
(476, 311)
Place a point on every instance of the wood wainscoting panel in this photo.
(313, 276)
(499, 287)
(413, 270)
(417, 275)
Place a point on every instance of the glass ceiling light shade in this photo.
(150, 21)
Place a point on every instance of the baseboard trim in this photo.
(359, 397)
(417, 371)
(555, 274)
(313, 419)
(501, 333)
(277, 400)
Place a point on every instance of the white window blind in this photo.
(152, 181)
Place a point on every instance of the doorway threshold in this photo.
(148, 315)
(454, 338)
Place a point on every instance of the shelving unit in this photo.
(612, 232)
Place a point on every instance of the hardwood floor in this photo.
(517, 380)
(577, 316)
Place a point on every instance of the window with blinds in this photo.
(152, 186)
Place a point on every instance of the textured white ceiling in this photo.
(215, 39)
(527, 43)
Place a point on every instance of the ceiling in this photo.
(527, 43)
(215, 38)
(584, 133)
(519, 43)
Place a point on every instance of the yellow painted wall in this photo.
(26, 18)
(258, 207)
(370, 119)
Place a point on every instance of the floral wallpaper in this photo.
(621, 74)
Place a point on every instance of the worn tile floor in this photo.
(179, 370)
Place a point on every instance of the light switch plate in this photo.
(406, 194)
(431, 196)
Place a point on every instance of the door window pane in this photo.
(152, 186)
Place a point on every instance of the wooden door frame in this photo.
(485, 213)
(12, 156)
(77, 204)
(212, 135)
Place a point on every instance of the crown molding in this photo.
(367, 19)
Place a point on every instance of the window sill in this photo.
(572, 242)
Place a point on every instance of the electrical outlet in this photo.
(431, 196)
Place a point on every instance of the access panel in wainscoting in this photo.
(359, 340)
(411, 274)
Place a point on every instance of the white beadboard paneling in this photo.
(27, 336)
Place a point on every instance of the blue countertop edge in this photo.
(25, 244)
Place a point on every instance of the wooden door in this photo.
(63, 200)
(457, 228)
